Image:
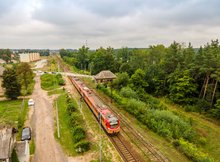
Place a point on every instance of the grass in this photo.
(14, 156)
(49, 82)
(65, 132)
(32, 146)
(204, 127)
(10, 110)
(13, 113)
(55, 91)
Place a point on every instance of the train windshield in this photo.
(113, 121)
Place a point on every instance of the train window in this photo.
(113, 125)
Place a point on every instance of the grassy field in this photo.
(49, 82)
(205, 127)
(10, 111)
(55, 91)
(13, 113)
(65, 132)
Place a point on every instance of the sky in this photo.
(56, 24)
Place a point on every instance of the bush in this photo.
(82, 146)
(73, 120)
(202, 105)
(192, 152)
(135, 107)
(78, 134)
(71, 107)
(192, 108)
(153, 103)
(61, 82)
(168, 124)
(75, 123)
(127, 92)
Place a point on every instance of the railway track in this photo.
(145, 146)
(123, 149)
(122, 146)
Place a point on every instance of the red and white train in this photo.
(109, 122)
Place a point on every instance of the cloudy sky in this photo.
(59, 24)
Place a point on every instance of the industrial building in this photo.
(29, 57)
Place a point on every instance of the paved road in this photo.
(40, 64)
(47, 148)
(75, 74)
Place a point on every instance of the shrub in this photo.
(82, 146)
(153, 102)
(73, 120)
(71, 107)
(168, 124)
(78, 134)
(135, 107)
(192, 152)
(61, 82)
(127, 92)
(202, 141)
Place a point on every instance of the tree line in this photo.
(187, 76)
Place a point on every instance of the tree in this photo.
(138, 59)
(124, 55)
(188, 57)
(5, 54)
(11, 84)
(216, 111)
(182, 89)
(138, 82)
(82, 58)
(25, 75)
(121, 81)
(103, 59)
(173, 57)
(209, 64)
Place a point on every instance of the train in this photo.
(102, 112)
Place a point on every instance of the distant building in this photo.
(7, 143)
(29, 57)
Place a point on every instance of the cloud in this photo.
(139, 23)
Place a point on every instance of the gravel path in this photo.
(42, 122)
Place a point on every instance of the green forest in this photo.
(183, 75)
(187, 76)
(180, 74)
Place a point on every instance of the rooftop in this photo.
(105, 74)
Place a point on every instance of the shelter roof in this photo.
(105, 74)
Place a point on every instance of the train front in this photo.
(113, 124)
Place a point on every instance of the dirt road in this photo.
(42, 122)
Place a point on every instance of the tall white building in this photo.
(29, 57)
